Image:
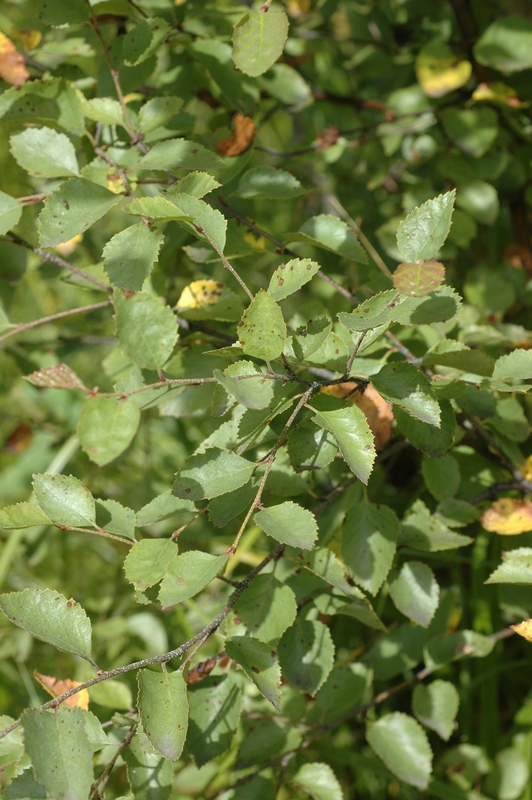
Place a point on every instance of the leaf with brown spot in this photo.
(240, 140)
(418, 279)
(58, 377)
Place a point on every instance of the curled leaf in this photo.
(508, 517)
(240, 139)
(524, 629)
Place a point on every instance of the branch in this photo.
(179, 652)
(24, 326)
(53, 259)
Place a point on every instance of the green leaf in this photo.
(319, 781)
(107, 427)
(162, 507)
(197, 184)
(306, 654)
(396, 652)
(506, 44)
(274, 184)
(405, 385)
(71, 12)
(146, 328)
(330, 233)
(111, 694)
(431, 440)
(402, 744)
(44, 152)
(150, 776)
(516, 567)
(517, 365)
(456, 355)
(310, 447)
(211, 474)
(73, 208)
(289, 523)
(214, 714)
(450, 647)
(49, 616)
(188, 574)
(10, 212)
(441, 475)
(115, 518)
(422, 530)
(23, 515)
(180, 154)
(157, 111)
(480, 200)
(265, 610)
(250, 392)
(130, 254)
(259, 39)
(290, 277)
(354, 437)
(208, 223)
(147, 562)
(163, 710)
(510, 776)
(415, 592)
(237, 90)
(422, 233)
(343, 690)
(262, 330)
(156, 208)
(438, 306)
(228, 506)
(143, 40)
(418, 279)
(65, 500)
(472, 130)
(102, 109)
(307, 340)
(369, 541)
(25, 787)
(60, 751)
(371, 313)
(436, 706)
(260, 665)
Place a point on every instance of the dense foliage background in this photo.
(261, 451)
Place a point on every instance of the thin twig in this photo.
(53, 259)
(179, 652)
(24, 326)
(99, 785)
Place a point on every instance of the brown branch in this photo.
(99, 785)
(53, 259)
(24, 326)
(179, 652)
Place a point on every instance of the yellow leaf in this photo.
(298, 7)
(29, 39)
(508, 517)
(115, 185)
(526, 469)
(12, 67)
(524, 629)
(257, 242)
(66, 248)
(56, 687)
(497, 92)
(439, 71)
(200, 293)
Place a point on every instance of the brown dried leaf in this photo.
(327, 138)
(56, 687)
(417, 280)
(58, 377)
(508, 517)
(20, 439)
(12, 67)
(240, 140)
(378, 411)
